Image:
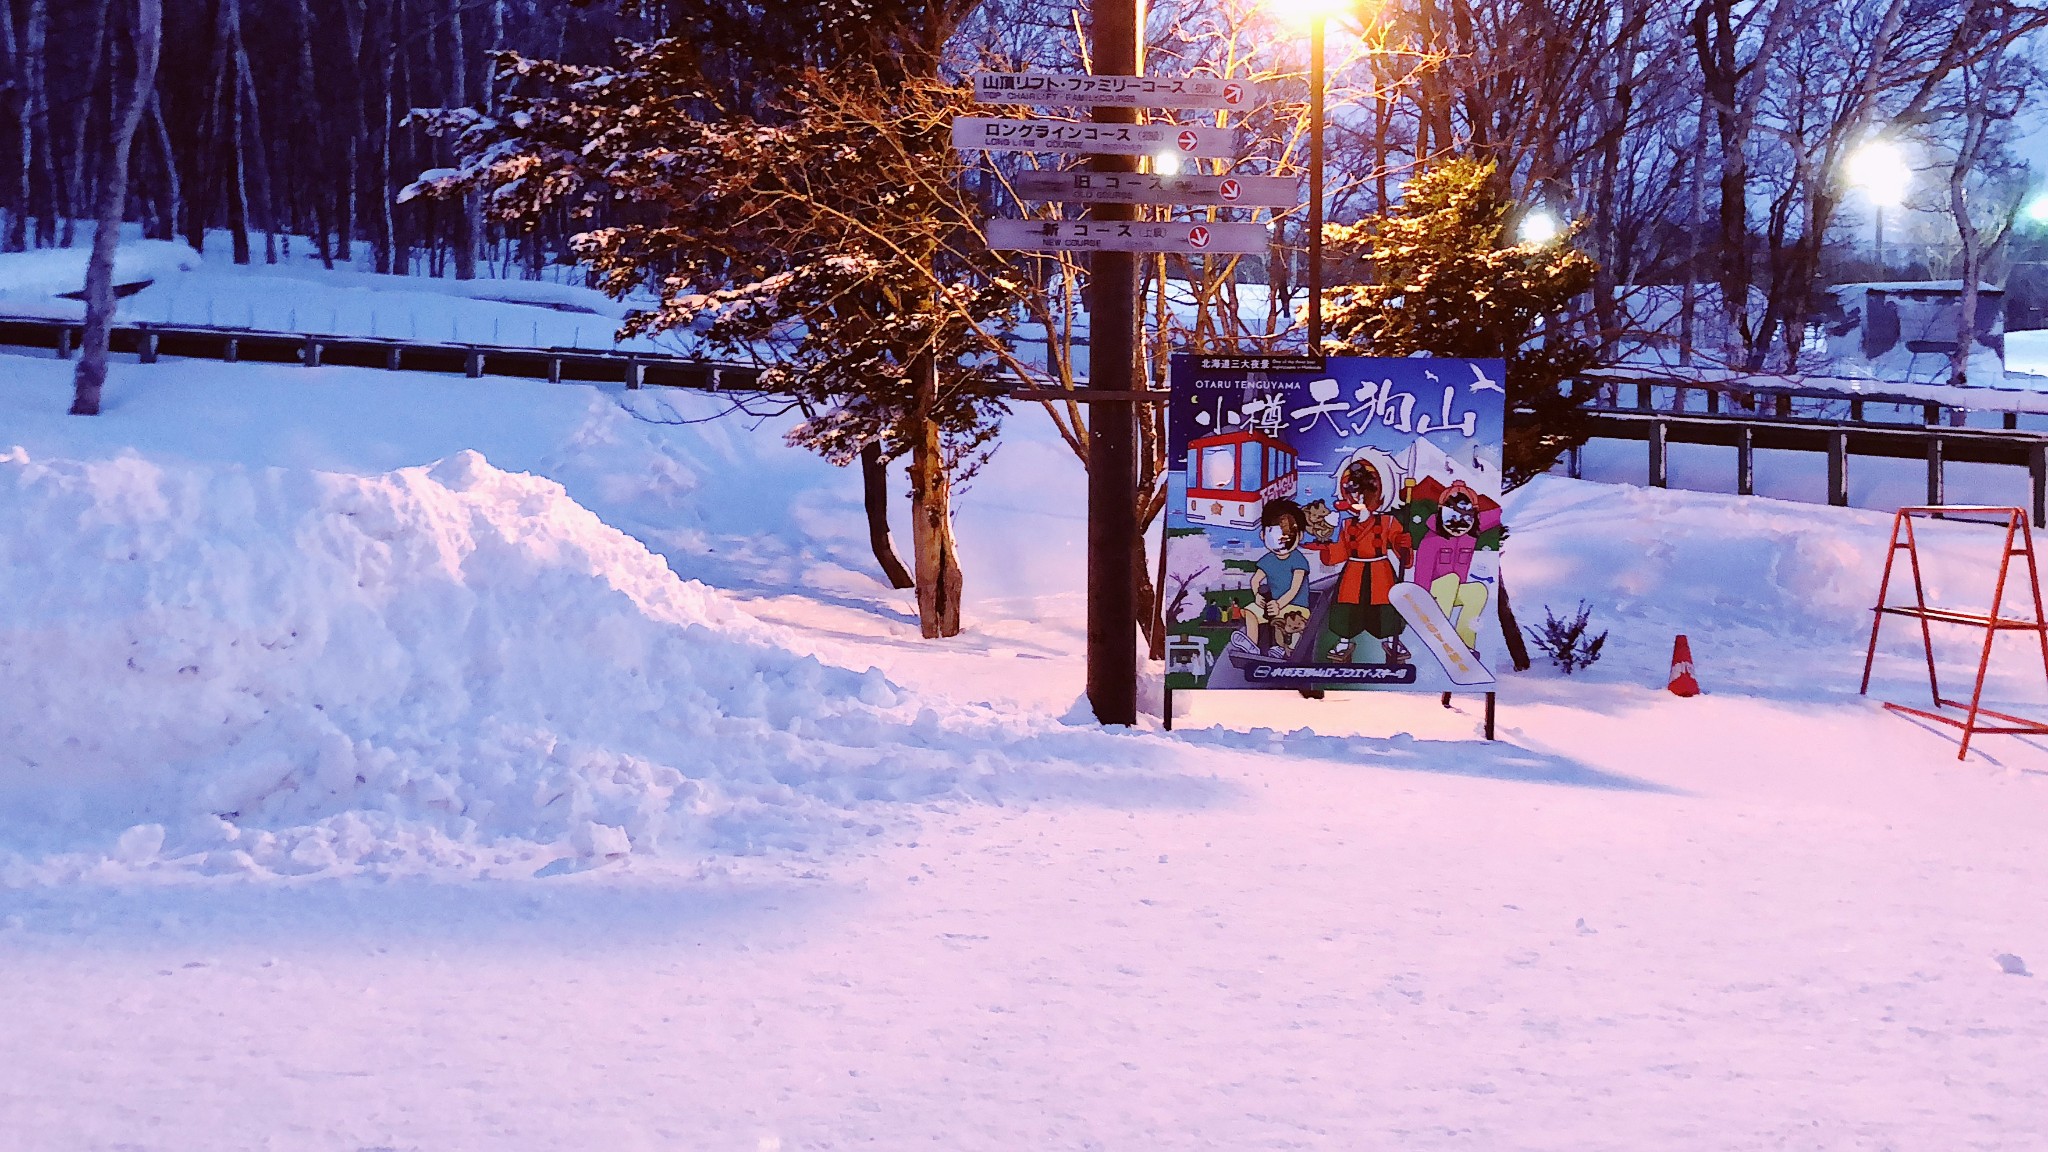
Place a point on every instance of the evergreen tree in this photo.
(1448, 281)
(824, 229)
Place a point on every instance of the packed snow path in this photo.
(1769, 917)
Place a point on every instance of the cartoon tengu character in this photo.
(1373, 549)
(1280, 582)
(1443, 561)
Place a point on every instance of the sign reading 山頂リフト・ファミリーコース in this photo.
(1334, 528)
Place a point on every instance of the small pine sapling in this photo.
(1566, 642)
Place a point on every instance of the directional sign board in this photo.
(1001, 134)
(1080, 90)
(1154, 188)
(1185, 237)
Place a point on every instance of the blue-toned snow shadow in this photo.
(1483, 759)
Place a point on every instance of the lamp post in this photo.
(1878, 167)
(1318, 24)
(1317, 13)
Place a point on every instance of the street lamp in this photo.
(1880, 170)
(1540, 226)
(1317, 13)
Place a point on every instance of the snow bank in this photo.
(31, 278)
(216, 668)
(1774, 596)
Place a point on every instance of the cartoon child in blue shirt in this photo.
(1279, 585)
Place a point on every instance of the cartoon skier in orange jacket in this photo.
(1374, 549)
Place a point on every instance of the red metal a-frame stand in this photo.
(1993, 622)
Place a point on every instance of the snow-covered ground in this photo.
(409, 762)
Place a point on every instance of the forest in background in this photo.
(1698, 141)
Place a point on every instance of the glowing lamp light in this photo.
(2037, 209)
(1880, 170)
(1309, 11)
(1540, 226)
(1166, 164)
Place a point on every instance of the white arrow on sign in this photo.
(1157, 188)
(1078, 138)
(1126, 236)
(1081, 90)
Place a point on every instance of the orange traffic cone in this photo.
(1682, 683)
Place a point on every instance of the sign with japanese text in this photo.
(1186, 237)
(1081, 90)
(1157, 188)
(1335, 526)
(1083, 138)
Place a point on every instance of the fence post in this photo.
(1784, 405)
(2037, 474)
(1930, 413)
(1659, 469)
(145, 345)
(1573, 466)
(1856, 410)
(1745, 461)
(231, 350)
(473, 364)
(63, 343)
(554, 369)
(2012, 421)
(1934, 485)
(1713, 401)
(1838, 469)
(393, 357)
(633, 373)
(1642, 396)
(312, 353)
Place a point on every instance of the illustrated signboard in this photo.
(1127, 236)
(1334, 526)
(1085, 90)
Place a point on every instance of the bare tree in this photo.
(145, 39)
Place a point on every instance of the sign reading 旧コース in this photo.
(1085, 90)
(1189, 237)
(1333, 523)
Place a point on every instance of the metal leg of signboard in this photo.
(1489, 715)
(1166, 713)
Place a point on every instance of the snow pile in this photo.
(1774, 597)
(29, 280)
(443, 668)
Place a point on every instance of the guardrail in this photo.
(147, 342)
(1938, 445)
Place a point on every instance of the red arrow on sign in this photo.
(1198, 237)
(1229, 189)
(1233, 94)
(1188, 140)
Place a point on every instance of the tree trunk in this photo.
(15, 100)
(36, 123)
(173, 194)
(78, 164)
(91, 377)
(1510, 631)
(874, 488)
(931, 513)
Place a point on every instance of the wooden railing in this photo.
(147, 342)
(1751, 413)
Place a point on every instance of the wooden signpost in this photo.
(1113, 235)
